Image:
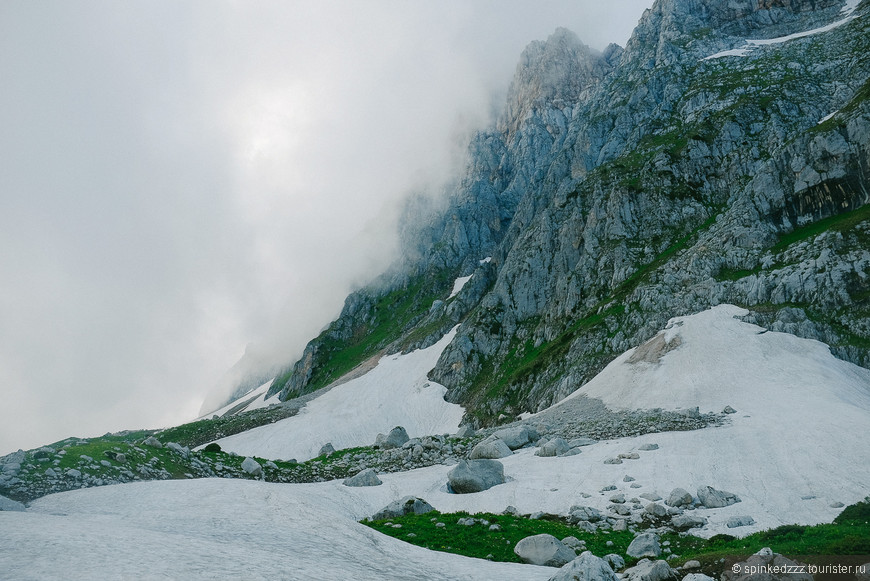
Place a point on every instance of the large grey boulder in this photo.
(554, 447)
(395, 438)
(647, 570)
(765, 565)
(586, 567)
(615, 561)
(679, 497)
(697, 577)
(179, 449)
(517, 436)
(153, 442)
(644, 545)
(655, 509)
(465, 431)
(683, 522)
(583, 513)
(712, 498)
(252, 467)
(403, 506)
(475, 476)
(326, 449)
(366, 477)
(739, 521)
(9, 504)
(544, 550)
(491, 448)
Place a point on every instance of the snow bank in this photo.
(396, 392)
(220, 529)
(458, 284)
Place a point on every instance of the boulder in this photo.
(584, 513)
(739, 521)
(517, 436)
(491, 448)
(683, 522)
(586, 567)
(544, 550)
(647, 570)
(656, 510)
(10, 505)
(615, 561)
(475, 476)
(644, 545)
(554, 447)
(679, 497)
(326, 450)
(395, 439)
(252, 467)
(573, 542)
(403, 506)
(579, 442)
(366, 477)
(775, 567)
(179, 449)
(648, 447)
(697, 577)
(465, 431)
(153, 442)
(712, 498)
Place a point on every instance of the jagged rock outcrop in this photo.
(624, 188)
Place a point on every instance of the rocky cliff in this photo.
(722, 156)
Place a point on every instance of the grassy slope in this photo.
(849, 534)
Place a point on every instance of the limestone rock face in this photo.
(617, 190)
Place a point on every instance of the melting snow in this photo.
(458, 284)
(394, 393)
(222, 529)
(826, 117)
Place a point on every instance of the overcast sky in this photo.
(181, 179)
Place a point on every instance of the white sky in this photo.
(180, 179)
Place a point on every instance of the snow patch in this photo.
(486, 260)
(826, 117)
(458, 284)
(395, 393)
(223, 529)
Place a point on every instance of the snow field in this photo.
(394, 393)
(220, 529)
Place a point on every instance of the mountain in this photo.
(722, 156)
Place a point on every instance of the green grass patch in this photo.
(478, 541)
(849, 534)
(389, 317)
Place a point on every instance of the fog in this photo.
(182, 179)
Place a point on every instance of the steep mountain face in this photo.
(721, 157)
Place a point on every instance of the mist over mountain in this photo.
(720, 157)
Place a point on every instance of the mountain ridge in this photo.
(658, 184)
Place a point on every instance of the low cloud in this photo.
(181, 180)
